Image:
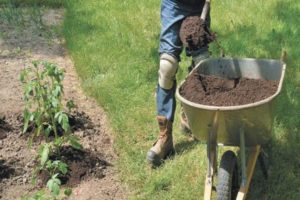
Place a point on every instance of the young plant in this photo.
(42, 95)
(44, 112)
(54, 182)
(43, 91)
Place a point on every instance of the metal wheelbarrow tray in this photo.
(246, 126)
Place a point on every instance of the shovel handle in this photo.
(205, 10)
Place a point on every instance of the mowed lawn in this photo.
(114, 46)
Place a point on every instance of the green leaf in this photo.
(49, 164)
(50, 184)
(74, 141)
(54, 102)
(48, 130)
(68, 191)
(23, 75)
(70, 104)
(45, 154)
(59, 117)
(63, 167)
(54, 185)
(57, 90)
(26, 115)
(58, 141)
(28, 90)
(31, 117)
(39, 195)
(38, 130)
(35, 63)
(65, 122)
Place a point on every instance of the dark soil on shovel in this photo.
(194, 33)
(217, 91)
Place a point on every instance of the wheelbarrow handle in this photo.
(205, 10)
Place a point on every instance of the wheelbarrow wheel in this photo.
(228, 183)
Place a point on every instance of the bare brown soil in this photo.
(217, 91)
(194, 33)
(19, 46)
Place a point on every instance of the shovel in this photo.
(203, 16)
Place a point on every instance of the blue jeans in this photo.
(172, 14)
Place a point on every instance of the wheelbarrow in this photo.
(246, 126)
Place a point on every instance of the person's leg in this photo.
(172, 14)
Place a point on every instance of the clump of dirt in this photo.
(4, 127)
(80, 121)
(217, 91)
(194, 33)
(6, 171)
(82, 164)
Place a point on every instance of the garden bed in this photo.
(35, 34)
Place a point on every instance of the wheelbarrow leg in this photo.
(255, 151)
(263, 161)
(212, 157)
(212, 160)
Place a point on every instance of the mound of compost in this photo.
(82, 164)
(5, 170)
(194, 33)
(217, 91)
(4, 128)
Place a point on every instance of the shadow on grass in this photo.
(184, 146)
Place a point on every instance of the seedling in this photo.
(44, 114)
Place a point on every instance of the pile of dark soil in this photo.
(82, 164)
(194, 33)
(6, 171)
(4, 128)
(217, 91)
(80, 121)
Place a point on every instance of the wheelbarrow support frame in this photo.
(247, 169)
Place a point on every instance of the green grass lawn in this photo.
(114, 46)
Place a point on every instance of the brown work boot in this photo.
(163, 147)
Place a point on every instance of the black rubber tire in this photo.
(228, 183)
